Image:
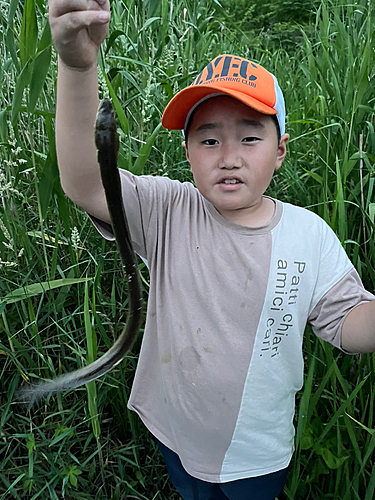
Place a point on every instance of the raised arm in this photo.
(78, 28)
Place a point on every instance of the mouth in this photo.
(230, 181)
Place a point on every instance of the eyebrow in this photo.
(244, 121)
(209, 126)
(252, 123)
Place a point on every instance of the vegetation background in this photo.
(62, 295)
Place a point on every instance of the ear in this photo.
(281, 150)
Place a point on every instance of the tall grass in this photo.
(62, 297)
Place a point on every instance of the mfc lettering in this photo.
(235, 67)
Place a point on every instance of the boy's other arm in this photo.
(78, 28)
(358, 331)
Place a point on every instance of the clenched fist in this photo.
(78, 28)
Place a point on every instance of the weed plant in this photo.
(62, 296)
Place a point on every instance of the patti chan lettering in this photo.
(282, 295)
(282, 298)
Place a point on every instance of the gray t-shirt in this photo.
(221, 358)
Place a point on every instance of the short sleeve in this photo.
(146, 200)
(328, 316)
(338, 289)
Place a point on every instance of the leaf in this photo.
(306, 442)
(148, 22)
(316, 177)
(370, 431)
(62, 430)
(3, 126)
(38, 77)
(371, 212)
(22, 81)
(29, 32)
(12, 11)
(48, 179)
(10, 487)
(90, 330)
(116, 104)
(41, 6)
(72, 474)
(37, 288)
(11, 47)
(46, 237)
(112, 38)
(61, 433)
(132, 80)
(330, 459)
(339, 222)
(91, 355)
(30, 444)
(49, 183)
(40, 68)
(144, 152)
(28, 484)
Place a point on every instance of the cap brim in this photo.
(175, 113)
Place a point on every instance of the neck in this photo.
(257, 216)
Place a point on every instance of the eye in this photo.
(210, 142)
(250, 139)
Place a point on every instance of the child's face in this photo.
(233, 152)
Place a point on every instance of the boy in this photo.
(234, 275)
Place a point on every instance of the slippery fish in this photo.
(107, 143)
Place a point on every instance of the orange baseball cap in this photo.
(244, 80)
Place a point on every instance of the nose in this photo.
(230, 157)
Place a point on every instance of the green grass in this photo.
(62, 297)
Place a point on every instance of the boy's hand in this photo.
(78, 28)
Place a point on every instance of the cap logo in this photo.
(228, 69)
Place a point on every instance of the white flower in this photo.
(76, 241)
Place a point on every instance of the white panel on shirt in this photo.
(307, 260)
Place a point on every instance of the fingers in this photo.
(76, 13)
(72, 22)
(58, 8)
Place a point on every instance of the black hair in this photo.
(273, 117)
(276, 122)
(188, 125)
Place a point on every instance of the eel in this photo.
(107, 144)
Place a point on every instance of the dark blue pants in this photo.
(266, 487)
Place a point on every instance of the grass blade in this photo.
(38, 288)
